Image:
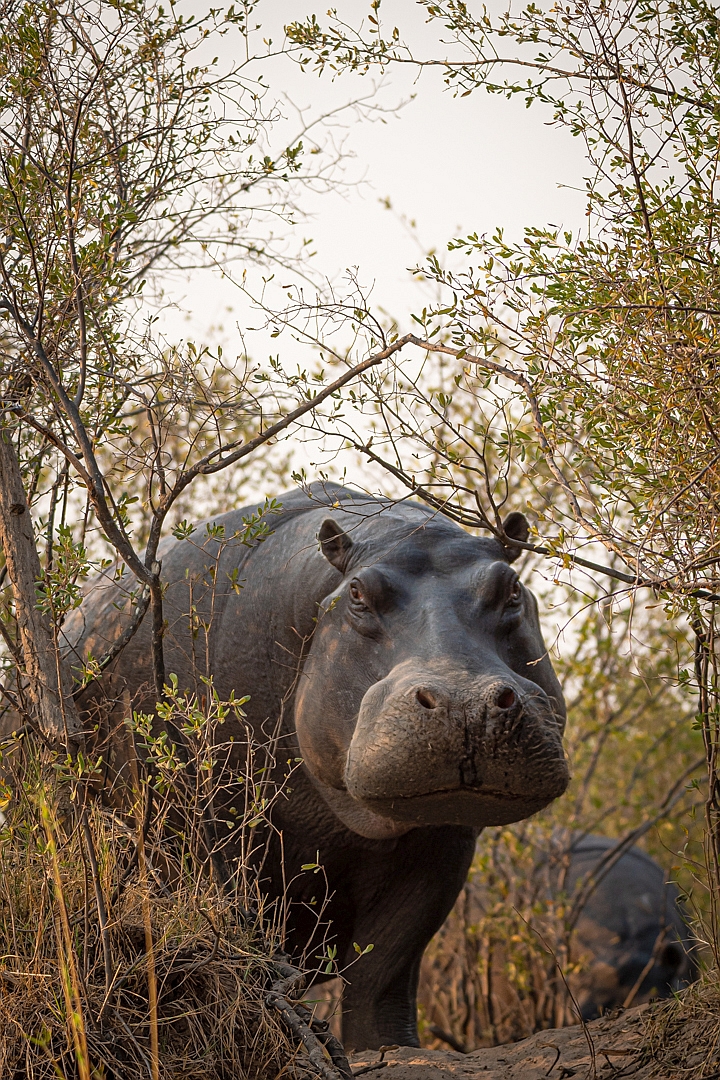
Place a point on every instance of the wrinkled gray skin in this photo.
(418, 693)
(631, 931)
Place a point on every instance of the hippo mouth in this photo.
(472, 806)
(385, 819)
(477, 808)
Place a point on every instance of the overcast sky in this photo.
(452, 165)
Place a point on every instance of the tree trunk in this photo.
(46, 674)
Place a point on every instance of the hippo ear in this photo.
(334, 544)
(515, 527)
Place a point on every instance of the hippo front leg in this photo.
(382, 1015)
(402, 899)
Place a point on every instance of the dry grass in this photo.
(682, 1036)
(488, 976)
(212, 972)
(95, 926)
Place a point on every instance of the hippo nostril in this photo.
(506, 698)
(426, 699)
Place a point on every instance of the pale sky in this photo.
(452, 165)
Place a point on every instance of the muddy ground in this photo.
(605, 1049)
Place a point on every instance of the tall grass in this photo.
(122, 953)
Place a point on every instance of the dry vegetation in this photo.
(212, 974)
(122, 954)
(684, 1035)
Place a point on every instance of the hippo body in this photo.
(402, 661)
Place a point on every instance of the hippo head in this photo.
(427, 697)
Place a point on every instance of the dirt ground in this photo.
(603, 1049)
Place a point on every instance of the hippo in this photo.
(630, 943)
(400, 659)
(631, 933)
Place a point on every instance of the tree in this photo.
(123, 152)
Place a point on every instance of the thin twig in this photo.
(99, 900)
(338, 1068)
(117, 647)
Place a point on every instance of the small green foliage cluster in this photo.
(604, 341)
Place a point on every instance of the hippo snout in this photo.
(453, 747)
(499, 695)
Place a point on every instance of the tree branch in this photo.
(49, 680)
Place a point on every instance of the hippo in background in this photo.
(480, 985)
(632, 932)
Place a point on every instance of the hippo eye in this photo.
(356, 597)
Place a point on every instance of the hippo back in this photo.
(223, 607)
(237, 609)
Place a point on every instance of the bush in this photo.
(123, 952)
